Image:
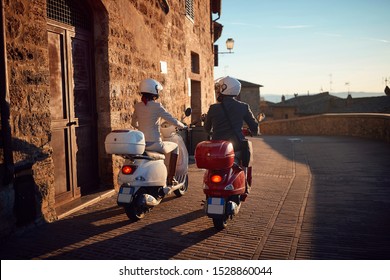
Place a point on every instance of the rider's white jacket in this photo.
(146, 118)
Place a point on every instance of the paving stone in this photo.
(320, 198)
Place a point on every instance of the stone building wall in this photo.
(251, 95)
(140, 37)
(373, 126)
(284, 112)
(131, 40)
(28, 84)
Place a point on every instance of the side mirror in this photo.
(188, 112)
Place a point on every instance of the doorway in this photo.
(72, 102)
(196, 102)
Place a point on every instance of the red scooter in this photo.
(224, 181)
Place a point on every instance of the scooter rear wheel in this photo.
(220, 223)
(134, 212)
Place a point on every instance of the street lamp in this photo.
(229, 45)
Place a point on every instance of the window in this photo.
(215, 55)
(190, 9)
(69, 12)
(195, 68)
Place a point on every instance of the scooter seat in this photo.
(155, 155)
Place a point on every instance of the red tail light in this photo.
(216, 178)
(128, 169)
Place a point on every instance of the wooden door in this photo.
(196, 102)
(84, 113)
(72, 106)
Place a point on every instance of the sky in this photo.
(302, 46)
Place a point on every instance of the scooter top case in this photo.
(125, 142)
(214, 155)
(223, 177)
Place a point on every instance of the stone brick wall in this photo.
(28, 82)
(374, 126)
(141, 36)
(285, 112)
(131, 38)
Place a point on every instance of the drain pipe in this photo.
(6, 138)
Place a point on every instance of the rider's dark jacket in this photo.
(218, 124)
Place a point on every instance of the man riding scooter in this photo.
(224, 120)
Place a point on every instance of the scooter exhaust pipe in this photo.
(150, 201)
(169, 189)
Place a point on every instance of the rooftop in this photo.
(248, 84)
(326, 103)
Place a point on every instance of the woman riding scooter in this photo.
(146, 118)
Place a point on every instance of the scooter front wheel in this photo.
(220, 223)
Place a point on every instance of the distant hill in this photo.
(278, 97)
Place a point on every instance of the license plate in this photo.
(125, 194)
(215, 205)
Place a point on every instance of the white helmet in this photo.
(227, 86)
(150, 86)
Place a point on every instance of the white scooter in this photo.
(143, 176)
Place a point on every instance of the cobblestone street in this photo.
(312, 198)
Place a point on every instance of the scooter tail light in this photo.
(216, 178)
(128, 169)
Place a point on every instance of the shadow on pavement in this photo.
(347, 212)
(106, 234)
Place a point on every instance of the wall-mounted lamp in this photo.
(229, 45)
